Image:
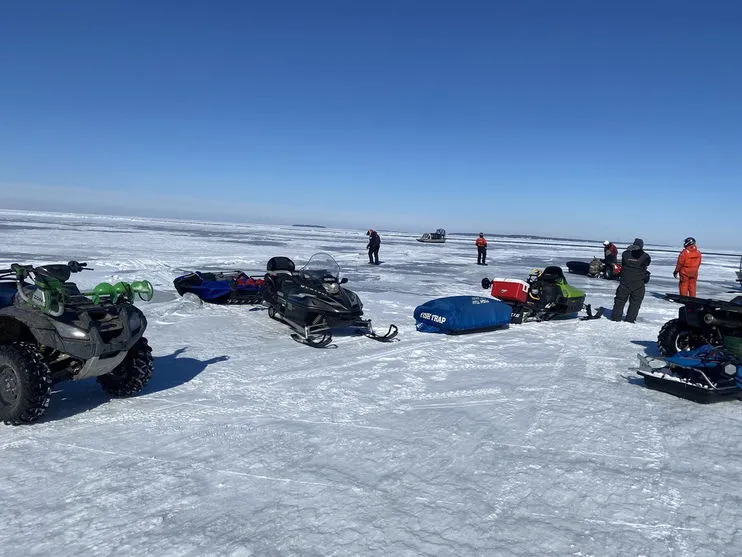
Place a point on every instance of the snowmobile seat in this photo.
(279, 264)
(280, 269)
(552, 275)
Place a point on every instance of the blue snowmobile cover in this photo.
(461, 314)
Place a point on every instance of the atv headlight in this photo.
(331, 287)
(134, 321)
(68, 331)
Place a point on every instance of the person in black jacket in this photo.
(634, 275)
(374, 242)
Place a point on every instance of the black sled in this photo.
(313, 302)
(596, 268)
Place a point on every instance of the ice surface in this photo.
(534, 440)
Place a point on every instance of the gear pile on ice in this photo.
(222, 287)
(544, 295)
(596, 268)
(313, 301)
(705, 374)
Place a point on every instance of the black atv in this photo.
(700, 321)
(51, 332)
(313, 302)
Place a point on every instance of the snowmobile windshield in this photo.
(322, 265)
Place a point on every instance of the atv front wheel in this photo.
(131, 375)
(675, 336)
(25, 383)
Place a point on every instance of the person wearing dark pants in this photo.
(481, 249)
(634, 275)
(610, 258)
(374, 242)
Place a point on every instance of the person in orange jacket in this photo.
(481, 249)
(687, 266)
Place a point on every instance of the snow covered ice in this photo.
(536, 440)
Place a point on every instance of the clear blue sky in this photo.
(586, 119)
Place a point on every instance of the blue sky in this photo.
(583, 119)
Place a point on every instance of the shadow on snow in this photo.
(72, 397)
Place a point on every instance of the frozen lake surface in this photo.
(535, 440)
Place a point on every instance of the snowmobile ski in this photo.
(590, 315)
(391, 334)
(322, 341)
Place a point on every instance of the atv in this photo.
(50, 332)
(700, 321)
(313, 301)
(543, 296)
(596, 268)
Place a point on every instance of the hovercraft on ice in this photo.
(313, 301)
(437, 237)
(222, 287)
(543, 296)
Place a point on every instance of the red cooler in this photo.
(510, 290)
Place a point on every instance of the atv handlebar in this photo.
(22, 271)
(77, 267)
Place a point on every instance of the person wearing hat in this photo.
(481, 249)
(687, 266)
(634, 275)
(610, 258)
(374, 242)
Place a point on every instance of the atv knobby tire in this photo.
(675, 336)
(131, 375)
(25, 383)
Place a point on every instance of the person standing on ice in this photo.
(687, 266)
(610, 252)
(634, 275)
(610, 258)
(481, 249)
(374, 242)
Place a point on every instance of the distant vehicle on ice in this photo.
(437, 237)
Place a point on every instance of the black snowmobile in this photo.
(706, 374)
(543, 296)
(700, 321)
(313, 302)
